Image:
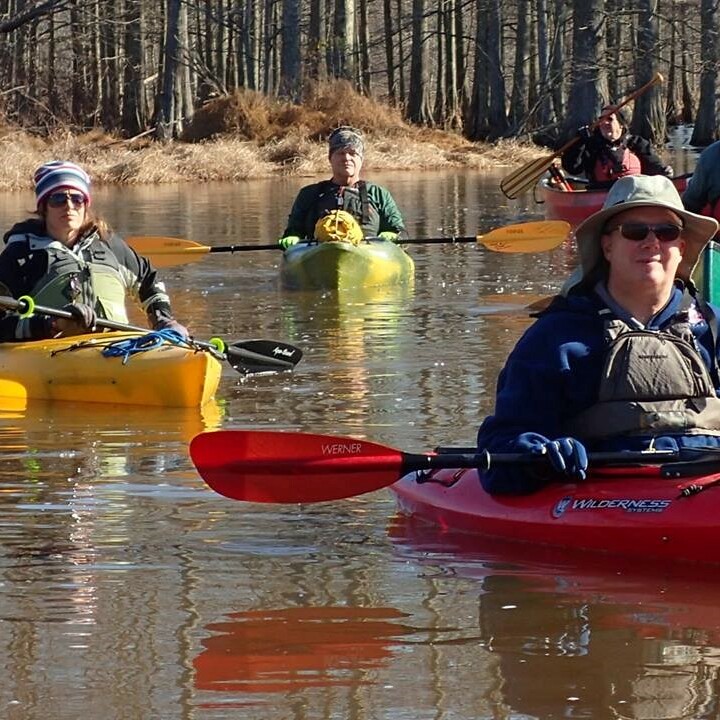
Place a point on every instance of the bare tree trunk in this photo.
(269, 47)
(588, 83)
(314, 41)
(687, 112)
(557, 58)
(706, 129)
(451, 111)
(166, 126)
(252, 27)
(648, 115)
(220, 35)
(134, 112)
(364, 49)
(519, 98)
(418, 109)
(389, 54)
(343, 49)
(613, 44)
(544, 111)
(438, 64)
(290, 54)
(401, 53)
(486, 117)
(461, 80)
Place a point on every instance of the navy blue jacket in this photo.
(552, 374)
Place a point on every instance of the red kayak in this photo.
(578, 203)
(641, 504)
(632, 511)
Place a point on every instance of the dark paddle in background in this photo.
(293, 467)
(247, 356)
(527, 175)
(528, 237)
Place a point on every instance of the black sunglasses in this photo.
(664, 232)
(59, 199)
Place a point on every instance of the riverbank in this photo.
(113, 161)
(246, 135)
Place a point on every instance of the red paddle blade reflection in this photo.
(265, 651)
(285, 467)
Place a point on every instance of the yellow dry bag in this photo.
(338, 226)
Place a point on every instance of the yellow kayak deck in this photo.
(74, 369)
(337, 265)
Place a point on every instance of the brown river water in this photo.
(130, 591)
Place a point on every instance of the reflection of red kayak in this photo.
(579, 203)
(630, 511)
(654, 599)
(291, 649)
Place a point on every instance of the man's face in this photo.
(345, 164)
(610, 127)
(651, 259)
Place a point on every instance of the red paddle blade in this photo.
(284, 467)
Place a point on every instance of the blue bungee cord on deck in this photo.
(143, 343)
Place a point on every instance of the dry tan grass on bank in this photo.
(246, 135)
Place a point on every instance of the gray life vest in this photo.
(90, 275)
(653, 383)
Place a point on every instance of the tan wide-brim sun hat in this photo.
(643, 191)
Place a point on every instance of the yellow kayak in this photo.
(337, 265)
(75, 369)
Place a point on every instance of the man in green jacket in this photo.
(371, 205)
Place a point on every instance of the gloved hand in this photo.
(83, 320)
(568, 456)
(388, 235)
(584, 132)
(168, 324)
(668, 171)
(286, 242)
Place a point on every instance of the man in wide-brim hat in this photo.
(626, 358)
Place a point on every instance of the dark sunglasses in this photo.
(664, 232)
(59, 199)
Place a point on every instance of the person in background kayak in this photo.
(702, 194)
(371, 205)
(610, 152)
(625, 358)
(68, 258)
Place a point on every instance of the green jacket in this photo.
(372, 205)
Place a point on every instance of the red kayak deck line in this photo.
(629, 511)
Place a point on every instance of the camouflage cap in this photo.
(346, 138)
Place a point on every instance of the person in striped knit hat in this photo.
(68, 258)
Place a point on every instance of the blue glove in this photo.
(584, 132)
(169, 324)
(568, 456)
(82, 315)
(388, 235)
(286, 242)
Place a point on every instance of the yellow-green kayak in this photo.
(331, 265)
(74, 369)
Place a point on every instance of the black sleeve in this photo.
(650, 162)
(16, 271)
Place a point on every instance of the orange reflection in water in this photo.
(265, 651)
